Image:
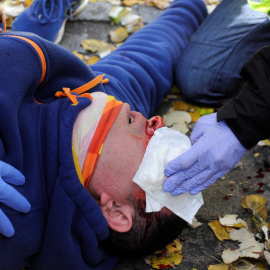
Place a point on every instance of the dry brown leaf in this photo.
(119, 35)
(266, 256)
(177, 120)
(249, 248)
(257, 204)
(241, 235)
(233, 221)
(219, 230)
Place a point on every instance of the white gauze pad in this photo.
(165, 145)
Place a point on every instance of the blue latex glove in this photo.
(11, 197)
(215, 151)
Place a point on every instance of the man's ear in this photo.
(118, 215)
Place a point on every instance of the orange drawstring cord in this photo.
(73, 98)
(80, 90)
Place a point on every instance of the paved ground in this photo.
(201, 245)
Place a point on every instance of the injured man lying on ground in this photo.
(65, 127)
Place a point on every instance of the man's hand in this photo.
(10, 197)
(215, 151)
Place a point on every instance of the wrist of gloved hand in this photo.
(215, 151)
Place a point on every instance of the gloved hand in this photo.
(10, 197)
(215, 151)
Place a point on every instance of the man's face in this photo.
(122, 153)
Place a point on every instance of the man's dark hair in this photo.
(1, 15)
(150, 231)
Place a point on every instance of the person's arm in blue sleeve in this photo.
(221, 140)
(141, 71)
(8, 195)
(11, 197)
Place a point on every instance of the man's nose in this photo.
(153, 124)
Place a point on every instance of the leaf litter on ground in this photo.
(252, 235)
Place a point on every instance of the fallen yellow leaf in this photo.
(167, 258)
(221, 266)
(78, 54)
(95, 45)
(119, 35)
(161, 4)
(255, 224)
(204, 111)
(267, 142)
(257, 204)
(183, 106)
(28, 3)
(219, 230)
(130, 3)
(239, 225)
(174, 246)
(195, 111)
(92, 60)
(262, 266)
(194, 116)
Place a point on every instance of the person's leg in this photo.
(208, 71)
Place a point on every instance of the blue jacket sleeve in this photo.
(141, 71)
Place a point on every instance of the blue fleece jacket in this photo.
(65, 226)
